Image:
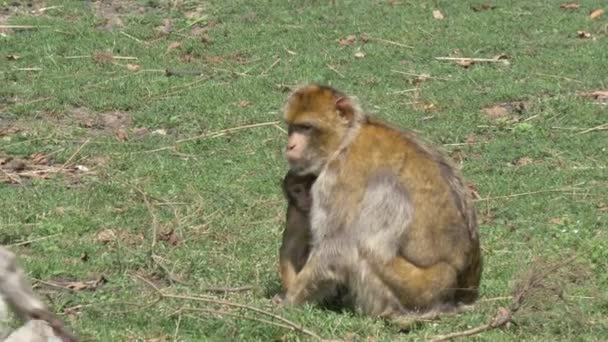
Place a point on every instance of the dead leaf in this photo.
(603, 207)
(244, 103)
(483, 7)
(105, 236)
(160, 131)
(600, 96)
(504, 110)
(133, 67)
(348, 40)
(557, 220)
(465, 62)
(214, 60)
(205, 38)
(165, 28)
(420, 78)
(570, 5)
(9, 130)
(141, 131)
(583, 34)
(103, 57)
(39, 158)
(170, 237)
(364, 37)
(13, 57)
(438, 15)
(121, 134)
(359, 54)
(496, 112)
(596, 14)
(471, 139)
(174, 45)
(473, 191)
(523, 161)
(90, 285)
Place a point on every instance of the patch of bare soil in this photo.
(509, 111)
(111, 13)
(115, 123)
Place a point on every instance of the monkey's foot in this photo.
(406, 323)
(278, 299)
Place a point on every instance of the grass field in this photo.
(113, 123)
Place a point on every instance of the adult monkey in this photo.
(391, 219)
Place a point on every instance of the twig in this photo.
(420, 75)
(209, 299)
(11, 177)
(233, 314)
(32, 240)
(44, 9)
(134, 38)
(335, 70)
(179, 319)
(392, 42)
(152, 214)
(228, 289)
(212, 135)
(29, 69)
(602, 127)
(265, 72)
(526, 194)
(557, 76)
(502, 317)
(495, 299)
(404, 91)
(75, 153)
(533, 281)
(24, 27)
(488, 60)
(280, 128)
(89, 56)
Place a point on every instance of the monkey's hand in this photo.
(54, 322)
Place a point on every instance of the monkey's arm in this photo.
(19, 295)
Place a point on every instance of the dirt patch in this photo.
(107, 121)
(111, 13)
(14, 8)
(18, 170)
(509, 111)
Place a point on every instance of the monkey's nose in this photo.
(291, 147)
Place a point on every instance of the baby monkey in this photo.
(296, 236)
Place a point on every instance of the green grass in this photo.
(221, 195)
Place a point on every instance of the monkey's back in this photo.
(443, 226)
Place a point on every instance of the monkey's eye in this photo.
(304, 127)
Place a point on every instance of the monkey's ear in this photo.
(345, 108)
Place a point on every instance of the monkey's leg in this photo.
(420, 288)
(288, 274)
(316, 280)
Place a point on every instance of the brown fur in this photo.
(391, 219)
(296, 236)
(15, 288)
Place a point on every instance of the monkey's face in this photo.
(297, 190)
(303, 152)
(318, 118)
